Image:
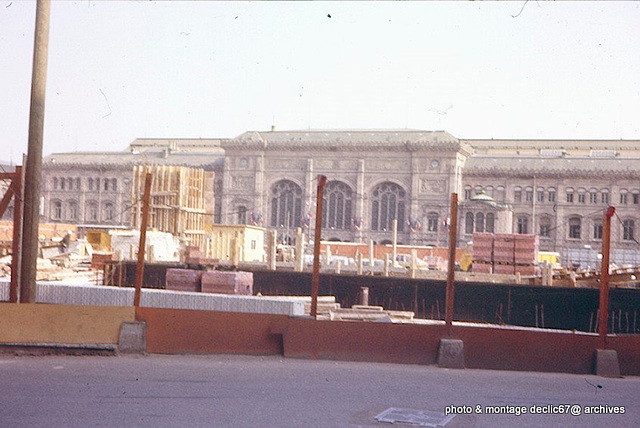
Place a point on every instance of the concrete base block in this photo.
(606, 363)
(133, 338)
(451, 354)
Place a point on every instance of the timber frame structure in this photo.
(178, 201)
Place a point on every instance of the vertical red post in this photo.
(453, 229)
(17, 235)
(603, 316)
(315, 277)
(143, 239)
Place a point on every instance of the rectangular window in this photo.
(432, 224)
(574, 231)
(523, 225)
(627, 230)
(581, 198)
(593, 197)
(529, 195)
(545, 230)
(597, 231)
(570, 197)
(467, 194)
(605, 198)
(552, 195)
(623, 198)
(636, 199)
(540, 196)
(253, 244)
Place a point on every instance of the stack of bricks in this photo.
(482, 253)
(510, 253)
(227, 282)
(98, 260)
(183, 280)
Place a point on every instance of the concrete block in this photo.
(606, 363)
(451, 354)
(133, 338)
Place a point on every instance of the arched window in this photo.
(387, 204)
(55, 183)
(114, 184)
(432, 222)
(91, 213)
(62, 184)
(479, 222)
(522, 225)
(570, 194)
(77, 183)
(56, 210)
(468, 223)
(91, 184)
(517, 194)
(69, 183)
(242, 215)
(286, 204)
(337, 205)
(500, 194)
(489, 191)
(106, 184)
(72, 210)
(574, 227)
(544, 227)
(108, 211)
(490, 220)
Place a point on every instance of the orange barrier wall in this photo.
(191, 331)
(64, 324)
(177, 331)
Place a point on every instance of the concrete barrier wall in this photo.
(63, 324)
(95, 295)
(171, 331)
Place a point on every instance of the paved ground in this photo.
(246, 391)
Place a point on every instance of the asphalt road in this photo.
(242, 391)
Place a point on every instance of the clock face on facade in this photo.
(435, 163)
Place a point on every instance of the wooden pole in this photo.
(452, 262)
(143, 239)
(604, 279)
(33, 173)
(315, 277)
(18, 192)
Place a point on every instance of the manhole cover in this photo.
(423, 418)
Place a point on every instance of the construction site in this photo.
(173, 258)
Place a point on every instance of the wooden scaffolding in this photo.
(178, 202)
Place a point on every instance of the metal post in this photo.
(604, 279)
(143, 239)
(394, 241)
(34, 155)
(18, 192)
(315, 277)
(453, 228)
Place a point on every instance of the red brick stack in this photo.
(192, 255)
(227, 282)
(183, 279)
(510, 253)
(482, 252)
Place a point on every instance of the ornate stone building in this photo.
(557, 189)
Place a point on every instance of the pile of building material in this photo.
(326, 304)
(216, 282)
(505, 253)
(370, 313)
(179, 204)
(160, 246)
(183, 280)
(227, 282)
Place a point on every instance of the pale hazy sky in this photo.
(124, 70)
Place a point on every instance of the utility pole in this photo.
(450, 291)
(34, 155)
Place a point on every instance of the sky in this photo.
(118, 71)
